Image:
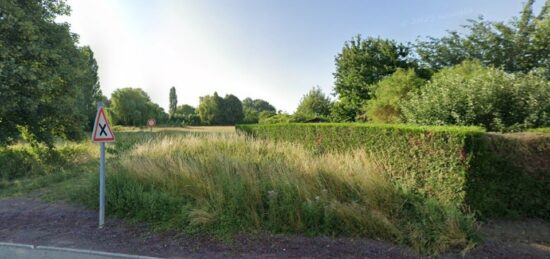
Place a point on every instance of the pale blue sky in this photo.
(274, 50)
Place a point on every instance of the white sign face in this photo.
(102, 131)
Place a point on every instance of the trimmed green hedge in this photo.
(488, 173)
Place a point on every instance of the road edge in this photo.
(73, 250)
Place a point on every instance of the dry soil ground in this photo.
(36, 222)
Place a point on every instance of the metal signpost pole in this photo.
(102, 184)
(101, 179)
(100, 134)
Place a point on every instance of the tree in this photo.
(314, 104)
(232, 110)
(211, 109)
(173, 102)
(184, 110)
(471, 94)
(388, 94)
(252, 110)
(132, 107)
(90, 92)
(214, 110)
(362, 63)
(521, 45)
(187, 115)
(47, 83)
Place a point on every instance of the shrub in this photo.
(455, 165)
(388, 94)
(470, 94)
(19, 161)
(541, 130)
(314, 104)
(279, 118)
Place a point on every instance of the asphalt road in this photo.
(12, 250)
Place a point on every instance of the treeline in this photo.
(132, 107)
(495, 75)
(48, 84)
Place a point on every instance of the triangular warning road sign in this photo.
(102, 131)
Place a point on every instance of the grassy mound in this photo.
(228, 184)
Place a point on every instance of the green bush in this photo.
(540, 130)
(457, 165)
(19, 161)
(388, 94)
(470, 94)
(278, 118)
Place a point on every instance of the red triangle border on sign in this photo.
(94, 139)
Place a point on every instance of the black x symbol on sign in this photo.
(102, 129)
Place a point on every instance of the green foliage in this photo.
(186, 115)
(456, 165)
(48, 85)
(278, 118)
(230, 184)
(255, 109)
(90, 92)
(133, 107)
(184, 110)
(232, 109)
(173, 105)
(214, 110)
(541, 130)
(362, 63)
(343, 111)
(210, 109)
(314, 104)
(470, 94)
(521, 45)
(509, 175)
(388, 94)
(20, 161)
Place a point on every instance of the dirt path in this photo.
(58, 224)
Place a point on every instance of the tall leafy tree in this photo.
(214, 110)
(211, 109)
(254, 108)
(173, 102)
(187, 115)
(361, 63)
(232, 110)
(43, 74)
(90, 91)
(314, 104)
(184, 110)
(132, 107)
(521, 45)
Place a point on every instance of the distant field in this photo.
(218, 129)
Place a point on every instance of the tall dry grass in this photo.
(228, 184)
